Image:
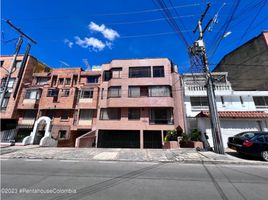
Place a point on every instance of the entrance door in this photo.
(38, 137)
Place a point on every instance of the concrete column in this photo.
(141, 140)
(97, 137)
(162, 137)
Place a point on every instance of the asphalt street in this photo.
(70, 179)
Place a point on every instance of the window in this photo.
(85, 114)
(114, 91)
(29, 114)
(133, 113)
(5, 103)
(86, 94)
(199, 101)
(1, 63)
(54, 80)
(102, 91)
(75, 78)
(261, 102)
(41, 80)
(67, 81)
(61, 81)
(50, 114)
(18, 63)
(107, 75)
(159, 91)
(134, 91)
(158, 71)
(10, 82)
(62, 134)
(116, 72)
(110, 114)
(138, 72)
(65, 92)
(32, 94)
(52, 93)
(92, 79)
(161, 116)
(64, 114)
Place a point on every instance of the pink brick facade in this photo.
(78, 101)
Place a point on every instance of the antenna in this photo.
(215, 19)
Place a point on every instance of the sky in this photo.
(88, 33)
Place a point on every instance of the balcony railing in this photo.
(200, 108)
(262, 107)
(218, 87)
(161, 121)
(27, 121)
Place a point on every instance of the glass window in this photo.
(199, 101)
(134, 91)
(5, 103)
(67, 81)
(116, 72)
(64, 114)
(86, 94)
(161, 116)
(62, 134)
(92, 79)
(107, 75)
(41, 80)
(138, 72)
(1, 63)
(75, 78)
(52, 93)
(110, 114)
(134, 113)
(18, 63)
(30, 114)
(32, 94)
(65, 92)
(61, 81)
(85, 114)
(158, 71)
(102, 93)
(261, 101)
(159, 91)
(114, 91)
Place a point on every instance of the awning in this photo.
(236, 114)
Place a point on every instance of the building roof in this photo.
(236, 114)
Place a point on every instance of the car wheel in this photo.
(264, 155)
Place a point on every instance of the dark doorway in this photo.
(22, 133)
(152, 139)
(38, 137)
(118, 139)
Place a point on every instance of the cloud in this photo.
(68, 42)
(108, 33)
(91, 43)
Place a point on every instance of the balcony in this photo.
(26, 121)
(29, 104)
(199, 89)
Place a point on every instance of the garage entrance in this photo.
(152, 139)
(118, 139)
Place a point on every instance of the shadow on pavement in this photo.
(241, 156)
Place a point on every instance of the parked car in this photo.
(252, 143)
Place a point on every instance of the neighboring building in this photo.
(129, 103)
(238, 110)
(69, 96)
(140, 99)
(247, 65)
(20, 78)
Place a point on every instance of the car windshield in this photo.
(247, 135)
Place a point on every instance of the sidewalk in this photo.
(130, 155)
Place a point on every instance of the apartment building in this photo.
(68, 96)
(238, 110)
(140, 99)
(128, 103)
(20, 78)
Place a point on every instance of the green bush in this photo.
(172, 135)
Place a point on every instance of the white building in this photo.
(238, 110)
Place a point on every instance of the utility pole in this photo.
(13, 65)
(199, 49)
